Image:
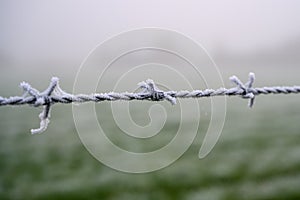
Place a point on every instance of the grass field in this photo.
(257, 157)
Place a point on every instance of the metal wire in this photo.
(54, 94)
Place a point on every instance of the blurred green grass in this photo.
(257, 157)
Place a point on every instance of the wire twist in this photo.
(54, 94)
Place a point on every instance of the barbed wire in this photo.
(54, 94)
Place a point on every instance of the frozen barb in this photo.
(54, 94)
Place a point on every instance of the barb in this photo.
(155, 93)
(54, 94)
(247, 88)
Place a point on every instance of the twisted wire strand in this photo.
(54, 94)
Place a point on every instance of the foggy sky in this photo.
(68, 29)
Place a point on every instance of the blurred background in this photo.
(257, 155)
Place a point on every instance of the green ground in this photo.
(257, 157)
